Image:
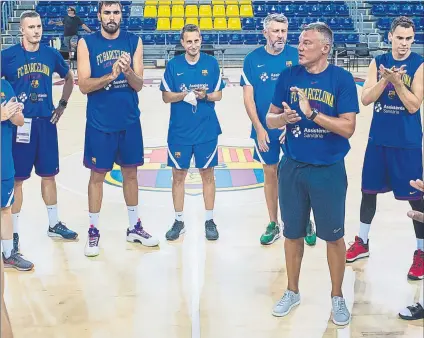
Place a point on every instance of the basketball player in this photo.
(394, 152)
(110, 71)
(29, 68)
(318, 103)
(261, 69)
(416, 311)
(11, 114)
(192, 83)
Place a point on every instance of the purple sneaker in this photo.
(139, 235)
(92, 245)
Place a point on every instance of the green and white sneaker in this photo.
(311, 236)
(271, 234)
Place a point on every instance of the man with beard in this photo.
(261, 70)
(29, 68)
(110, 70)
(394, 152)
(192, 83)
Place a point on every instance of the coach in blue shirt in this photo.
(192, 83)
(318, 103)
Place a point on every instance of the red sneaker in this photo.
(416, 271)
(357, 250)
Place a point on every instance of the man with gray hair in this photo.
(318, 103)
(261, 70)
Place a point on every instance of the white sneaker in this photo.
(139, 235)
(92, 246)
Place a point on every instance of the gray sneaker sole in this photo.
(278, 314)
(273, 240)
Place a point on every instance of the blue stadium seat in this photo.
(342, 10)
(173, 39)
(334, 23)
(419, 24)
(293, 38)
(378, 10)
(316, 9)
(271, 9)
(92, 11)
(419, 38)
(352, 38)
(135, 23)
(149, 24)
(259, 11)
(222, 38)
(329, 10)
(251, 39)
(406, 9)
(247, 24)
(160, 39)
(383, 23)
(125, 23)
(148, 39)
(261, 39)
(208, 38)
(393, 9)
(126, 11)
(82, 11)
(302, 9)
(287, 9)
(236, 39)
(42, 10)
(259, 23)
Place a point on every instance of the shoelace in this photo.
(177, 226)
(417, 261)
(340, 305)
(270, 228)
(210, 226)
(285, 299)
(352, 246)
(139, 230)
(61, 226)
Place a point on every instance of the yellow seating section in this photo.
(219, 15)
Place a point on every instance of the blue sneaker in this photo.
(61, 231)
(341, 315)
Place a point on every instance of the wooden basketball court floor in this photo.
(194, 288)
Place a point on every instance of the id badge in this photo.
(23, 134)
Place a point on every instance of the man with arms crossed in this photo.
(394, 152)
(261, 70)
(110, 71)
(318, 103)
(192, 83)
(29, 67)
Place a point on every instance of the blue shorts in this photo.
(270, 157)
(390, 169)
(205, 155)
(302, 187)
(42, 152)
(103, 149)
(7, 192)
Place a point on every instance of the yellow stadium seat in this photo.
(205, 11)
(164, 11)
(192, 21)
(218, 11)
(177, 11)
(191, 11)
(231, 2)
(177, 2)
(220, 24)
(234, 24)
(206, 24)
(163, 24)
(164, 2)
(245, 2)
(177, 24)
(218, 2)
(151, 2)
(150, 12)
(246, 11)
(233, 10)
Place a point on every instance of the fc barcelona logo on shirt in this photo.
(177, 154)
(204, 72)
(2, 95)
(392, 94)
(35, 84)
(289, 63)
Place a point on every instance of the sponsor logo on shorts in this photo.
(236, 170)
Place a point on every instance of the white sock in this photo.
(209, 215)
(133, 215)
(94, 219)
(52, 212)
(179, 216)
(364, 230)
(15, 218)
(420, 244)
(7, 247)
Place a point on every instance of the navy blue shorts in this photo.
(205, 155)
(270, 157)
(390, 169)
(302, 187)
(103, 149)
(7, 192)
(42, 152)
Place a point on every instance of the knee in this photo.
(207, 176)
(97, 178)
(129, 174)
(48, 179)
(178, 177)
(18, 184)
(337, 243)
(270, 172)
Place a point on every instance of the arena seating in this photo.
(234, 22)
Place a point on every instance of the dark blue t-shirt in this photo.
(7, 167)
(188, 126)
(332, 92)
(31, 75)
(261, 71)
(392, 125)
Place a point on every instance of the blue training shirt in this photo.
(332, 92)
(261, 71)
(31, 75)
(7, 167)
(114, 107)
(185, 126)
(392, 125)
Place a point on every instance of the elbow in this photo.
(413, 109)
(365, 101)
(349, 133)
(165, 98)
(83, 88)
